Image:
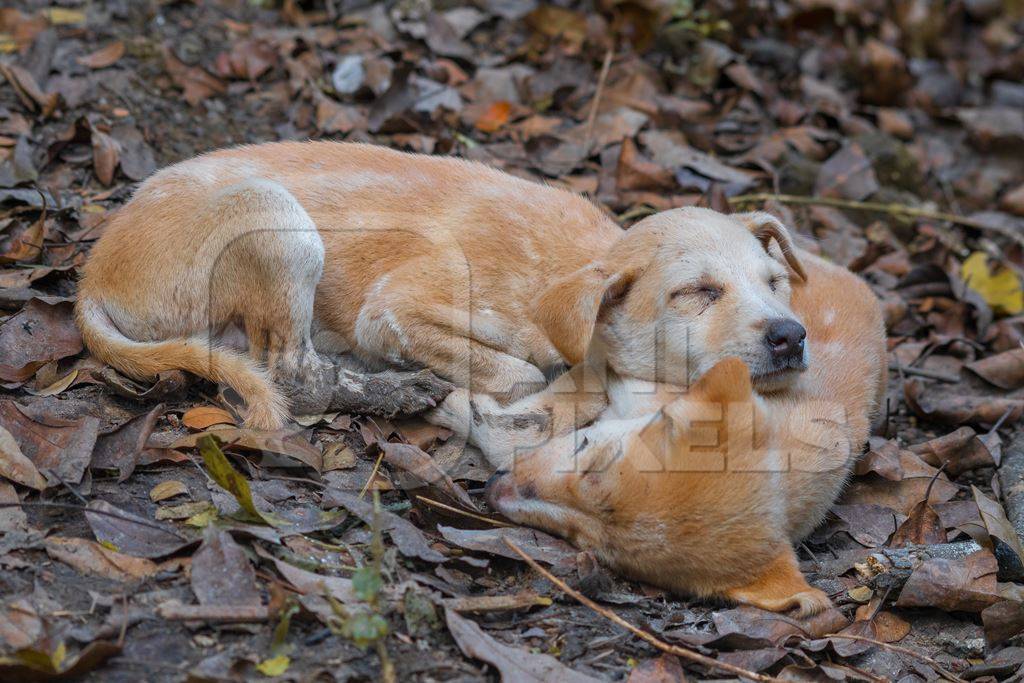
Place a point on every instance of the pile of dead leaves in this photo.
(145, 533)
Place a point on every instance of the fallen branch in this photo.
(220, 614)
(889, 568)
(902, 650)
(892, 209)
(596, 102)
(464, 513)
(683, 652)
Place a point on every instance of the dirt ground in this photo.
(889, 135)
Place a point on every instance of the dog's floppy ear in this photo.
(568, 310)
(766, 227)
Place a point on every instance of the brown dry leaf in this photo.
(138, 538)
(333, 117)
(281, 443)
(20, 625)
(416, 462)
(36, 335)
(494, 117)
(1000, 530)
(847, 174)
(248, 59)
(1003, 621)
(105, 155)
(89, 557)
(1005, 370)
(103, 57)
(956, 410)
(168, 489)
(27, 246)
(923, 527)
(663, 669)
(15, 466)
(883, 458)
(536, 544)
(122, 447)
(962, 585)
(410, 541)
(869, 524)
(636, 172)
(960, 451)
(28, 90)
(51, 443)
(904, 494)
(497, 603)
(196, 83)
(308, 583)
(204, 417)
(516, 665)
(222, 573)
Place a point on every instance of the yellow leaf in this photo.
(63, 16)
(275, 666)
(167, 489)
(860, 593)
(1000, 289)
(201, 520)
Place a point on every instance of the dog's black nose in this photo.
(785, 338)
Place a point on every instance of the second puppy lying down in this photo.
(700, 492)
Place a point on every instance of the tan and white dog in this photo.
(700, 489)
(322, 247)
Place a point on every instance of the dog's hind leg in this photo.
(780, 586)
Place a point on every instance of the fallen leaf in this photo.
(15, 466)
(1000, 288)
(138, 538)
(89, 557)
(514, 664)
(121, 448)
(203, 417)
(847, 174)
(957, 452)
(663, 669)
(536, 544)
(222, 574)
(1005, 370)
(966, 584)
(266, 442)
(494, 117)
(418, 463)
(106, 154)
(410, 541)
(51, 443)
(36, 335)
(168, 489)
(952, 409)
(1005, 538)
(32, 665)
(103, 57)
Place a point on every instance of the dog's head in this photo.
(680, 291)
(653, 502)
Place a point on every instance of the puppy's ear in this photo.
(766, 227)
(569, 309)
(727, 382)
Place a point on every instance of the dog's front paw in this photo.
(454, 413)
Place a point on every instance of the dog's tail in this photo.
(267, 408)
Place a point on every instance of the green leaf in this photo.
(365, 628)
(275, 666)
(228, 478)
(366, 583)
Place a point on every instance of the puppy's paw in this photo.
(409, 393)
(454, 413)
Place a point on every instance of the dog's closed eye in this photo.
(776, 281)
(705, 290)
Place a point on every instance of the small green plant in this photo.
(366, 627)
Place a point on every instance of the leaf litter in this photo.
(895, 117)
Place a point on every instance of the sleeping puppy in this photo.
(321, 248)
(702, 489)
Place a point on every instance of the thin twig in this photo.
(892, 209)
(373, 474)
(615, 618)
(91, 511)
(924, 372)
(595, 103)
(464, 513)
(902, 650)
